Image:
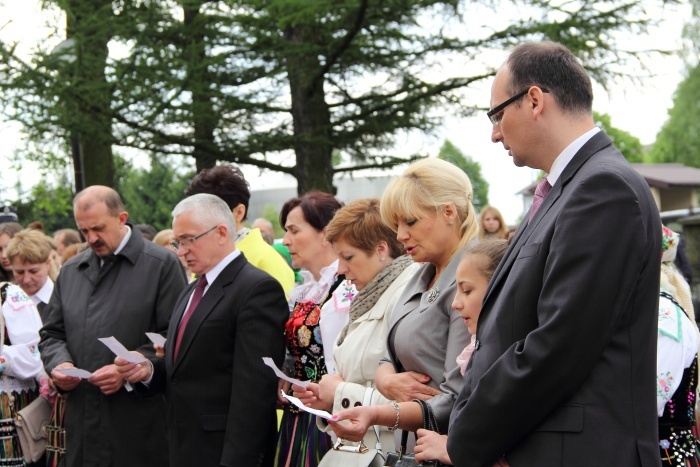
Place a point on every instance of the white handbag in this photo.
(348, 454)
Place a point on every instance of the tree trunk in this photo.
(310, 114)
(88, 24)
(199, 83)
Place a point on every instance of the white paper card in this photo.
(75, 372)
(300, 404)
(120, 351)
(156, 338)
(269, 362)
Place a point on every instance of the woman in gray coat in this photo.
(430, 208)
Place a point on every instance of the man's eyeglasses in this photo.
(188, 242)
(496, 114)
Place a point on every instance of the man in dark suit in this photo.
(564, 367)
(221, 397)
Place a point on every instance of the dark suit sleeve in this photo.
(259, 327)
(599, 248)
(171, 283)
(52, 346)
(158, 380)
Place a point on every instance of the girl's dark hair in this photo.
(318, 208)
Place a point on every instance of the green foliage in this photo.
(679, 138)
(629, 145)
(282, 84)
(450, 153)
(151, 194)
(51, 204)
(691, 33)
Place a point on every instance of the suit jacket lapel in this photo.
(505, 263)
(90, 266)
(211, 298)
(599, 141)
(175, 319)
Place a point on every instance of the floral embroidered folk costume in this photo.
(677, 364)
(678, 443)
(301, 443)
(19, 366)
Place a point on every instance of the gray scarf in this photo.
(367, 297)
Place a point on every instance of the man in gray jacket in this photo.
(123, 287)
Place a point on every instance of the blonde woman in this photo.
(430, 209)
(20, 364)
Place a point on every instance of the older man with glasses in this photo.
(221, 397)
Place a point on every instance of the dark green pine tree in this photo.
(282, 84)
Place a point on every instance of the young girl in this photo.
(492, 224)
(473, 275)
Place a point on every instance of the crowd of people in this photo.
(427, 331)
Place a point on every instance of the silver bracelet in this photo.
(396, 424)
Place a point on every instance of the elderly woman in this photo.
(430, 208)
(20, 365)
(319, 311)
(375, 262)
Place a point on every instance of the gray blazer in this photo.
(428, 337)
(564, 367)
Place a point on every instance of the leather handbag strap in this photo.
(429, 423)
(429, 420)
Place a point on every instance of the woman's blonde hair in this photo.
(29, 245)
(502, 231)
(164, 237)
(429, 185)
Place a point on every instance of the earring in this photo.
(450, 223)
(382, 259)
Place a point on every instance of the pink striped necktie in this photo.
(541, 191)
(196, 298)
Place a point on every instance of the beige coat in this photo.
(358, 357)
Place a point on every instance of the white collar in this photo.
(216, 270)
(315, 291)
(44, 293)
(121, 246)
(124, 241)
(567, 154)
